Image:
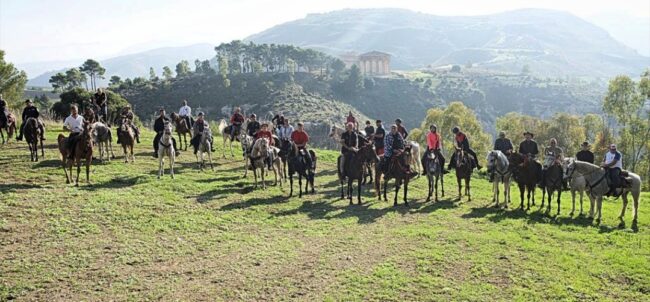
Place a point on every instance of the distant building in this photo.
(374, 63)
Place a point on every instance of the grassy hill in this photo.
(130, 236)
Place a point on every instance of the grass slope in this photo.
(209, 236)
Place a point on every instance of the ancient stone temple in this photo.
(374, 63)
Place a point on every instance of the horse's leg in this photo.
(385, 187)
(291, 183)
(359, 187)
(635, 197)
(42, 149)
(468, 188)
(78, 162)
(89, 160)
(65, 169)
(573, 201)
(600, 209)
(592, 205)
(160, 165)
(224, 144)
(624, 198)
(210, 158)
(350, 189)
(406, 191)
(254, 177)
(581, 195)
(397, 185)
(172, 159)
(430, 187)
(231, 153)
(263, 179)
(559, 195)
(458, 180)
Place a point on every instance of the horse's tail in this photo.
(60, 141)
(222, 125)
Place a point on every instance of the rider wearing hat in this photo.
(585, 154)
(159, 127)
(528, 148)
(434, 144)
(253, 125)
(199, 125)
(29, 111)
(462, 143)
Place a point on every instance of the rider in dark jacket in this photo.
(30, 111)
(462, 142)
(159, 127)
(529, 149)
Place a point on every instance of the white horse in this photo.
(102, 137)
(499, 166)
(414, 161)
(205, 146)
(224, 129)
(246, 146)
(577, 184)
(166, 148)
(262, 150)
(598, 185)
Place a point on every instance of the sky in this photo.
(34, 31)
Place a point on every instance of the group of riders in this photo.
(388, 146)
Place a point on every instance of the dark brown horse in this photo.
(297, 162)
(33, 135)
(554, 176)
(181, 128)
(398, 170)
(525, 173)
(127, 139)
(353, 169)
(464, 169)
(82, 150)
(9, 127)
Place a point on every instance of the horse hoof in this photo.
(571, 214)
(621, 225)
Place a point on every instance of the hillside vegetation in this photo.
(209, 234)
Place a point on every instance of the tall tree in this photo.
(152, 75)
(94, 71)
(12, 81)
(75, 77)
(115, 81)
(59, 81)
(182, 68)
(167, 73)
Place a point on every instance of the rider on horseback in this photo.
(613, 164)
(401, 129)
(285, 131)
(394, 145)
(3, 111)
(379, 135)
(101, 101)
(253, 125)
(265, 134)
(73, 123)
(528, 148)
(353, 120)
(89, 115)
(369, 130)
(199, 125)
(30, 111)
(278, 120)
(301, 138)
(462, 143)
(186, 113)
(159, 127)
(554, 152)
(585, 154)
(434, 144)
(236, 120)
(126, 116)
(350, 144)
(504, 145)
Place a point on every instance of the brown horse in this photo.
(33, 135)
(525, 173)
(397, 170)
(181, 128)
(353, 169)
(9, 127)
(82, 150)
(552, 182)
(464, 171)
(127, 139)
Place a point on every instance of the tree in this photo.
(59, 81)
(74, 78)
(115, 81)
(167, 73)
(42, 101)
(152, 75)
(80, 97)
(353, 84)
(337, 68)
(94, 71)
(455, 68)
(182, 69)
(568, 131)
(627, 103)
(12, 81)
(593, 124)
(457, 114)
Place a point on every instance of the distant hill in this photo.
(550, 43)
(138, 64)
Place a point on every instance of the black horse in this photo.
(554, 176)
(297, 162)
(353, 169)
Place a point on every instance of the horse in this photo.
(414, 159)
(224, 129)
(552, 182)
(262, 151)
(246, 146)
(525, 174)
(576, 184)
(83, 150)
(286, 147)
(298, 164)
(205, 146)
(102, 137)
(464, 169)
(9, 127)
(598, 185)
(397, 171)
(127, 139)
(166, 148)
(181, 128)
(500, 170)
(33, 135)
(353, 169)
(336, 132)
(434, 174)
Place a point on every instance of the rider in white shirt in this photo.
(73, 123)
(613, 163)
(285, 131)
(186, 113)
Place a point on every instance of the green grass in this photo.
(209, 235)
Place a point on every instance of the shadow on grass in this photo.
(224, 191)
(115, 183)
(50, 163)
(254, 202)
(15, 187)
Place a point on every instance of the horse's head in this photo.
(569, 166)
(332, 131)
(367, 151)
(492, 160)
(167, 128)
